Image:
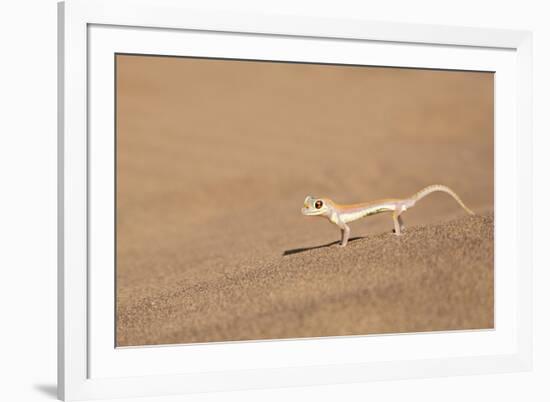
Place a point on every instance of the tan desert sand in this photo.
(215, 158)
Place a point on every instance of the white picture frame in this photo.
(90, 367)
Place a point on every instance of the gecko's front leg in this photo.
(345, 230)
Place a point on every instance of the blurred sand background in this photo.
(215, 158)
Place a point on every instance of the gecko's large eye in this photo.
(318, 204)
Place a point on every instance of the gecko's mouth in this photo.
(311, 212)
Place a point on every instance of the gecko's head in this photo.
(316, 206)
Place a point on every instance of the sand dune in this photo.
(435, 277)
(215, 158)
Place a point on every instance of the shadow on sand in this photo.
(301, 250)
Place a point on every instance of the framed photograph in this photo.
(252, 201)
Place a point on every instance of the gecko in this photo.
(341, 215)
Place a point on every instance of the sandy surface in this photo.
(214, 159)
(379, 284)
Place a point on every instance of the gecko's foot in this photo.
(339, 245)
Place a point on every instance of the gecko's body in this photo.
(341, 215)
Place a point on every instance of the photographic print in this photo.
(268, 200)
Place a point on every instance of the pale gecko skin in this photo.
(341, 215)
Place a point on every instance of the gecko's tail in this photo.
(438, 187)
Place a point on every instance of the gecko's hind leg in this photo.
(397, 224)
(401, 225)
